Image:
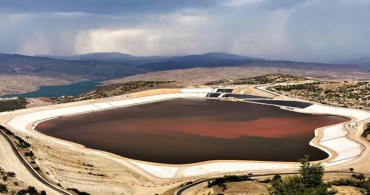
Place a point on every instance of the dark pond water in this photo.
(187, 131)
(284, 103)
(59, 90)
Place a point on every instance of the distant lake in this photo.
(59, 90)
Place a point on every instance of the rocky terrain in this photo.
(344, 94)
(119, 89)
(259, 80)
(204, 75)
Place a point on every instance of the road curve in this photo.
(52, 189)
(183, 189)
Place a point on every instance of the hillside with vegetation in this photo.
(118, 89)
(265, 79)
(309, 180)
(10, 184)
(343, 94)
(12, 104)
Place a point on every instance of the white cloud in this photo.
(241, 2)
(171, 34)
(155, 38)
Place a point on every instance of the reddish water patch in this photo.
(204, 126)
(46, 125)
(186, 131)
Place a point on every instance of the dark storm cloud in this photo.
(279, 29)
(103, 6)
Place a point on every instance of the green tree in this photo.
(309, 182)
(311, 173)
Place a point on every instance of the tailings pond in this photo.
(194, 130)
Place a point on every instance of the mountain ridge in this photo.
(117, 56)
(101, 66)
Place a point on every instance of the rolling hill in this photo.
(102, 66)
(111, 56)
(15, 64)
(364, 62)
(23, 73)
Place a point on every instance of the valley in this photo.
(142, 177)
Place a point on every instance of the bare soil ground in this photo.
(36, 102)
(242, 188)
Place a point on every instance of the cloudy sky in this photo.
(311, 30)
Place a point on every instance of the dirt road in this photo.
(11, 163)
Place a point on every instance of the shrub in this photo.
(359, 176)
(228, 178)
(10, 174)
(266, 180)
(30, 190)
(14, 104)
(24, 144)
(3, 188)
(276, 177)
(367, 130)
(30, 153)
(78, 191)
(363, 184)
(6, 130)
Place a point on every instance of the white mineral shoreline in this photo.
(332, 139)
